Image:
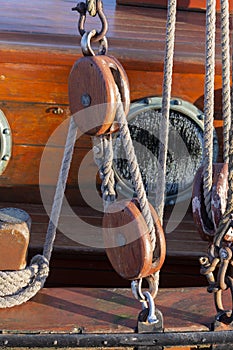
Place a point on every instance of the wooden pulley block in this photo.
(93, 85)
(205, 227)
(219, 192)
(128, 243)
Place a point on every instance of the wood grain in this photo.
(191, 5)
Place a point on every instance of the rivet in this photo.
(147, 101)
(176, 102)
(6, 131)
(5, 342)
(201, 116)
(86, 100)
(6, 157)
(105, 342)
(2, 77)
(55, 342)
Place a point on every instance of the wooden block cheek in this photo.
(128, 246)
(91, 78)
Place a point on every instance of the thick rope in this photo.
(209, 103)
(134, 169)
(60, 189)
(103, 156)
(17, 287)
(164, 125)
(226, 220)
(226, 88)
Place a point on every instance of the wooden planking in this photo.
(191, 5)
(106, 311)
(87, 265)
(126, 26)
(46, 126)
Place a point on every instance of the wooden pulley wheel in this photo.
(93, 85)
(205, 227)
(128, 243)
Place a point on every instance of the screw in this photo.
(86, 100)
(6, 131)
(6, 157)
(147, 101)
(176, 102)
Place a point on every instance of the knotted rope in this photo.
(103, 156)
(165, 112)
(209, 103)
(17, 287)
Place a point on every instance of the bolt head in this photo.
(86, 100)
(6, 131)
(6, 157)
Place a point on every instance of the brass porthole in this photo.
(5, 142)
(185, 149)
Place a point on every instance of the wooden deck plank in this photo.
(106, 311)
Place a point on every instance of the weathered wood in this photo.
(191, 5)
(73, 310)
(128, 243)
(14, 238)
(127, 240)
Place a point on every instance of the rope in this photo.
(226, 88)
(164, 125)
(209, 103)
(17, 287)
(91, 7)
(134, 169)
(60, 189)
(226, 220)
(103, 156)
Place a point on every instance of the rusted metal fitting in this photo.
(81, 7)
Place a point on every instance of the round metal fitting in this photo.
(185, 148)
(5, 142)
